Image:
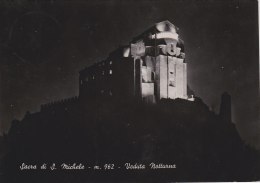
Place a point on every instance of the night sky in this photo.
(44, 45)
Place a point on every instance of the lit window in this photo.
(110, 62)
(110, 71)
(93, 77)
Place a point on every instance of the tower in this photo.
(160, 68)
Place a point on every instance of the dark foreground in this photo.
(103, 137)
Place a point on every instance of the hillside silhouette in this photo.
(203, 146)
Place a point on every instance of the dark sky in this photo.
(44, 45)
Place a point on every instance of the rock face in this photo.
(200, 144)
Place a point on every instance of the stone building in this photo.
(151, 67)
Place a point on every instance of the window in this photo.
(81, 82)
(103, 72)
(93, 77)
(110, 72)
(153, 76)
(86, 79)
(144, 63)
(110, 62)
(172, 83)
(172, 48)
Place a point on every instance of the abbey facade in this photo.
(151, 67)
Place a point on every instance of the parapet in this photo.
(59, 103)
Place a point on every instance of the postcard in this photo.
(129, 91)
